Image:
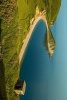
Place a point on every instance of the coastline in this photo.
(26, 40)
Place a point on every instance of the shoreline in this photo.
(26, 40)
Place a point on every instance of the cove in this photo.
(35, 67)
(46, 78)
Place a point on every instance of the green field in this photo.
(16, 15)
(52, 8)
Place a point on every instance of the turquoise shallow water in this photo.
(46, 78)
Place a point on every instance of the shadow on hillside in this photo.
(2, 82)
(3, 95)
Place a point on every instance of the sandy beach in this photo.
(26, 40)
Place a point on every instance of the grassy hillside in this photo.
(16, 15)
(9, 66)
(52, 8)
(26, 10)
(14, 25)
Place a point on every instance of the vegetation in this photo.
(16, 15)
(14, 25)
(2, 82)
(9, 67)
(2, 72)
(52, 9)
(26, 10)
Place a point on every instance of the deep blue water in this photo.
(35, 65)
(46, 78)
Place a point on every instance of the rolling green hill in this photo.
(52, 8)
(16, 15)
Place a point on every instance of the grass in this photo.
(10, 49)
(52, 8)
(27, 8)
(2, 81)
(14, 30)
(15, 23)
